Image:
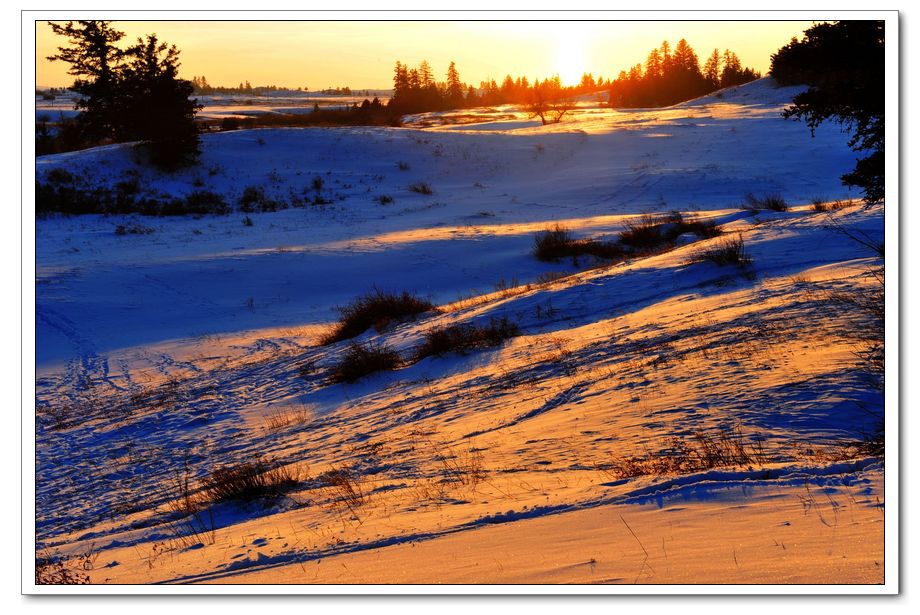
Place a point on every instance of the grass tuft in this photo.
(465, 338)
(727, 252)
(772, 202)
(249, 481)
(361, 360)
(376, 309)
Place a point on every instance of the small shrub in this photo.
(230, 123)
(376, 309)
(53, 570)
(466, 337)
(557, 242)
(384, 199)
(59, 176)
(128, 186)
(362, 360)
(247, 221)
(317, 183)
(553, 243)
(421, 188)
(402, 165)
(772, 202)
(820, 204)
(254, 199)
(643, 234)
(345, 487)
(729, 447)
(727, 252)
(249, 481)
(282, 419)
(203, 202)
(133, 229)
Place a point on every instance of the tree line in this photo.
(673, 76)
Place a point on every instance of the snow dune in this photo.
(183, 343)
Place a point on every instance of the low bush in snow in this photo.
(557, 242)
(376, 309)
(727, 252)
(648, 234)
(343, 486)
(465, 337)
(730, 447)
(133, 229)
(772, 202)
(254, 199)
(421, 188)
(361, 360)
(56, 570)
(249, 481)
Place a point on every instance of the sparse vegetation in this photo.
(729, 447)
(726, 252)
(345, 488)
(282, 419)
(133, 229)
(361, 360)
(254, 199)
(249, 481)
(56, 570)
(558, 242)
(465, 338)
(376, 309)
(771, 202)
(384, 199)
(421, 188)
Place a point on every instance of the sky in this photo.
(361, 54)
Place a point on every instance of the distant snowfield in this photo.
(184, 342)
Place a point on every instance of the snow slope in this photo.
(182, 346)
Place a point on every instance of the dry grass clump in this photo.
(727, 252)
(249, 481)
(421, 188)
(361, 360)
(345, 488)
(465, 338)
(650, 234)
(727, 448)
(376, 309)
(55, 570)
(772, 202)
(464, 467)
(557, 242)
(278, 420)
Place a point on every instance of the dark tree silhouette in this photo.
(844, 64)
(673, 76)
(162, 113)
(131, 94)
(95, 61)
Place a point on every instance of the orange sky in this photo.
(361, 54)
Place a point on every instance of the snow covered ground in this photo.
(195, 346)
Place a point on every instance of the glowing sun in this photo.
(570, 61)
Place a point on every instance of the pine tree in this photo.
(95, 60)
(133, 94)
(843, 63)
(711, 69)
(158, 104)
(454, 85)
